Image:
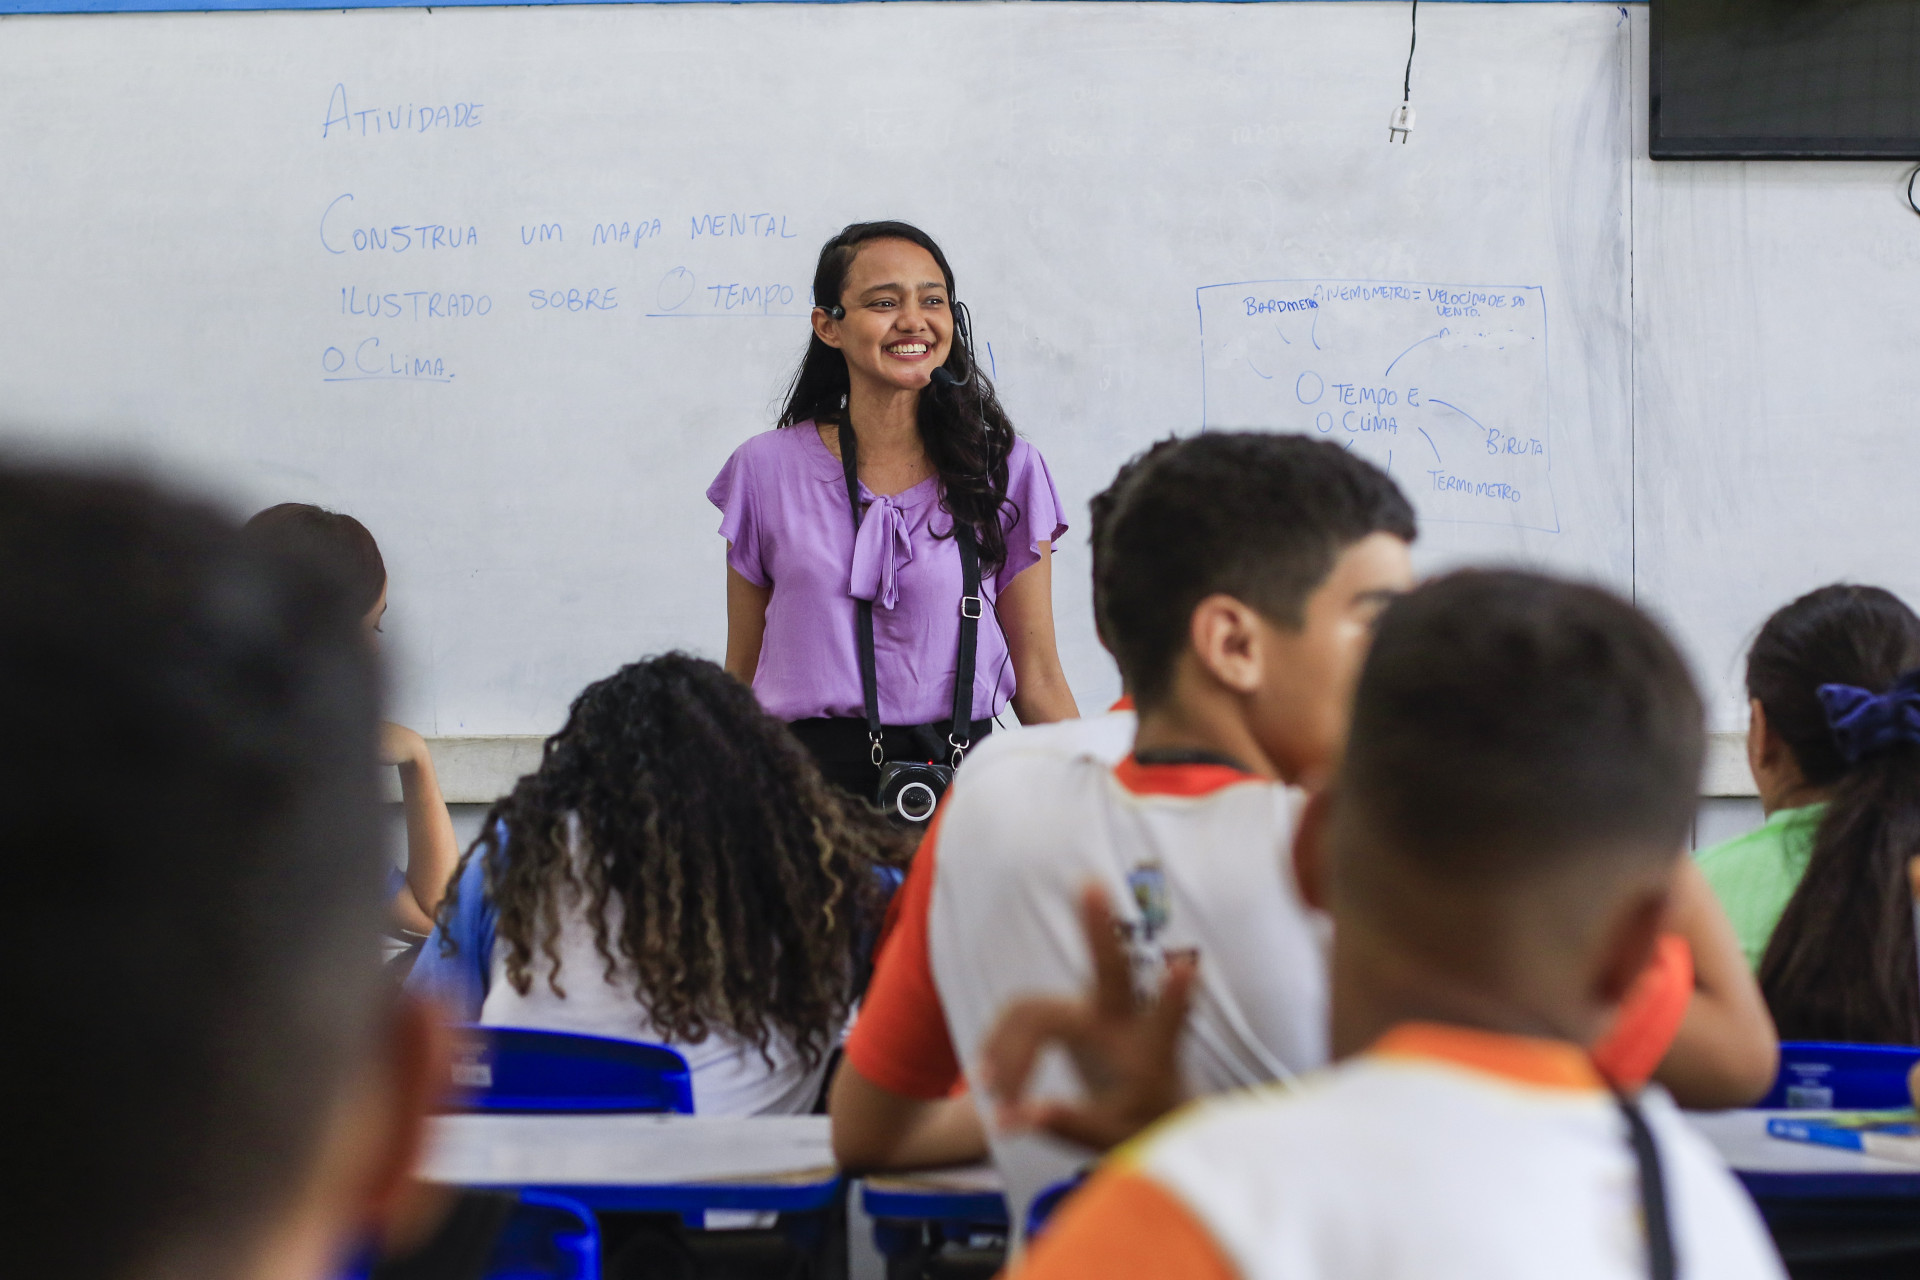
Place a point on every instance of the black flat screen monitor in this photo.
(1786, 79)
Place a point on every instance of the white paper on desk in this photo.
(622, 1150)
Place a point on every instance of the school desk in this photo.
(647, 1163)
(1776, 1169)
(1825, 1206)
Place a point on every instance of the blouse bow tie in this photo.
(879, 549)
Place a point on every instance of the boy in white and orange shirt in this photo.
(1238, 579)
(1498, 853)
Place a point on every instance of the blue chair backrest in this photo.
(1819, 1075)
(1047, 1201)
(548, 1237)
(512, 1069)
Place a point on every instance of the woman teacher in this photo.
(937, 460)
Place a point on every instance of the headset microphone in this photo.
(963, 329)
(837, 311)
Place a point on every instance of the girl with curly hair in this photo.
(675, 872)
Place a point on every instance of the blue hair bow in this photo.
(1865, 723)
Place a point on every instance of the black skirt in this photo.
(840, 746)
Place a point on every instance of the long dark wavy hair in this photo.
(746, 882)
(1840, 965)
(967, 435)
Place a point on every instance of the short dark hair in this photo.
(189, 827)
(1505, 721)
(1259, 516)
(330, 538)
(1100, 509)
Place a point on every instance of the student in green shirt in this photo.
(1754, 874)
(1820, 896)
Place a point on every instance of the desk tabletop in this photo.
(790, 1151)
(965, 1179)
(970, 1192)
(1775, 1166)
(628, 1150)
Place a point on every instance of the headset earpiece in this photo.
(837, 311)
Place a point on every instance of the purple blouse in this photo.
(783, 502)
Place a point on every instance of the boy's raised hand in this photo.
(1125, 1053)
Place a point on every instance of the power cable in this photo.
(1401, 124)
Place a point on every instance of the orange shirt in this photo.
(900, 1041)
(1649, 1018)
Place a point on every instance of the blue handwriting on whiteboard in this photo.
(413, 304)
(750, 297)
(574, 299)
(409, 117)
(727, 225)
(1446, 483)
(626, 232)
(336, 233)
(370, 364)
(1267, 306)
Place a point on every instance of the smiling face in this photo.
(898, 326)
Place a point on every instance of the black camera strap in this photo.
(1661, 1261)
(972, 608)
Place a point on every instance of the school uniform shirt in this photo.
(1195, 858)
(1107, 737)
(730, 1077)
(1755, 875)
(784, 514)
(1441, 1152)
(1631, 1049)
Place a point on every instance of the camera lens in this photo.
(915, 802)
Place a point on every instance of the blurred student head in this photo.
(204, 1073)
(333, 539)
(1840, 963)
(1516, 793)
(1249, 567)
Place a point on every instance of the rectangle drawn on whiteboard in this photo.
(1444, 386)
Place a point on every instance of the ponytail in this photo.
(1841, 964)
(1835, 671)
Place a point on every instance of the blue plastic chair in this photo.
(548, 1237)
(551, 1072)
(1820, 1075)
(913, 1224)
(1047, 1201)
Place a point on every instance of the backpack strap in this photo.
(863, 609)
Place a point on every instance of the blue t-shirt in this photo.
(458, 981)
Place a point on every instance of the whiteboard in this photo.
(510, 284)
(1777, 385)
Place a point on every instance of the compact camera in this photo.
(910, 790)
